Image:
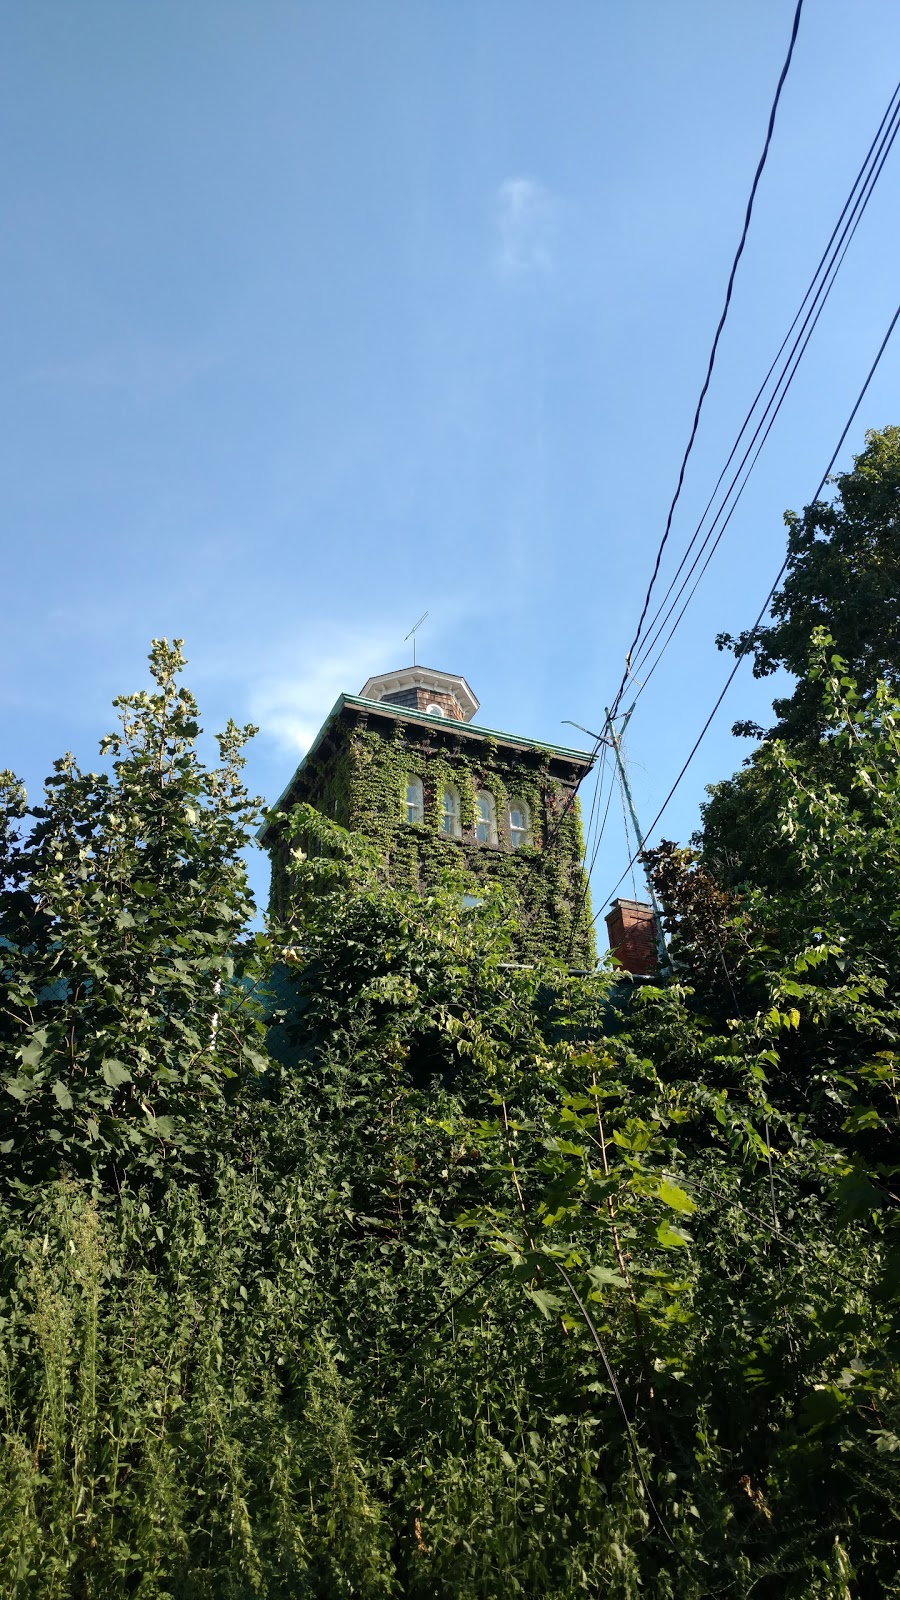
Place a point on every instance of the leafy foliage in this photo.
(127, 997)
(843, 575)
(499, 1281)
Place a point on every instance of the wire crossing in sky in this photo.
(814, 300)
(662, 628)
(763, 608)
(555, 829)
(715, 345)
(812, 303)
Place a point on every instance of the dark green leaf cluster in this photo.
(843, 574)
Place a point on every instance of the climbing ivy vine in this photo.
(363, 787)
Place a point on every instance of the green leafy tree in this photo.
(843, 574)
(126, 979)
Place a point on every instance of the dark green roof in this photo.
(405, 712)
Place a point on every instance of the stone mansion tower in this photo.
(404, 764)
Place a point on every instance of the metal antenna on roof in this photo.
(412, 633)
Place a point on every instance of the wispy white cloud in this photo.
(144, 372)
(291, 701)
(525, 217)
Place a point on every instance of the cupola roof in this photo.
(424, 678)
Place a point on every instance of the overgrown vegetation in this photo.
(843, 574)
(481, 1280)
(364, 788)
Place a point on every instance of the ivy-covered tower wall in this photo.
(359, 772)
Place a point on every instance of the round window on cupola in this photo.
(435, 711)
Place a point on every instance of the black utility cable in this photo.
(602, 828)
(648, 673)
(629, 1431)
(763, 609)
(654, 640)
(862, 177)
(831, 260)
(715, 345)
(553, 831)
(868, 175)
(588, 869)
(595, 802)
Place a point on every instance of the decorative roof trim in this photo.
(420, 677)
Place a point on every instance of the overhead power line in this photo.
(763, 608)
(715, 345)
(814, 299)
(816, 296)
(555, 829)
(588, 866)
(595, 802)
(813, 302)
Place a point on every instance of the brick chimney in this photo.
(631, 929)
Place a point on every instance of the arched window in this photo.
(450, 813)
(435, 710)
(485, 818)
(519, 824)
(415, 800)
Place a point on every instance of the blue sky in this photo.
(317, 315)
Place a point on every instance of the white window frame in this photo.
(488, 822)
(450, 814)
(524, 832)
(415, 807)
